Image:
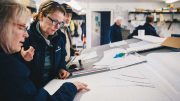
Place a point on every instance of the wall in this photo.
(121, 9)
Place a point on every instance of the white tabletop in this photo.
(140, 82)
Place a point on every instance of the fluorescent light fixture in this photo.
(170, 1)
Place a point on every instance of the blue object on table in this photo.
(119, 55)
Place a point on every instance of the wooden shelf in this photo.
(154, 12)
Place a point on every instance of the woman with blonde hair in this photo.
(14, 75)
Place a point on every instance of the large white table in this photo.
(150, 81)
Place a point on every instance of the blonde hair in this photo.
(10, 12)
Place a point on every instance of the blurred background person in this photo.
(66, 30)
(116, 30)
(148, 27)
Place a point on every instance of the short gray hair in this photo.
(118, 18)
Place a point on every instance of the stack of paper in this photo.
(150, 38)
(114, 63)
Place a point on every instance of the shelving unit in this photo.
(172, 14)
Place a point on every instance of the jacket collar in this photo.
(117, 25)
(38, 30)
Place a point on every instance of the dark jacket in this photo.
(149, 30)
(115, 33)
(16, 86)
(57, 55)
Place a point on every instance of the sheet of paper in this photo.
(109, 56)
(106, 87)
(115, 63)
(126, 61)
(126, 77)
(142, 46)
(168, 66)
(151, 38)
(116, 44)
(134, 76)
(140, 43)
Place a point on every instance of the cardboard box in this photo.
(173, 42)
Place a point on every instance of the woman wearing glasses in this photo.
(49, 56)
(14, 75)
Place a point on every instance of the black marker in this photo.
(80, 63)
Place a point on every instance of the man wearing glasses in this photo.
(49, 56)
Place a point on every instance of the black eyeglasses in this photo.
(55, 22)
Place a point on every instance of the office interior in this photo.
(97, 16)
(91, 22)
